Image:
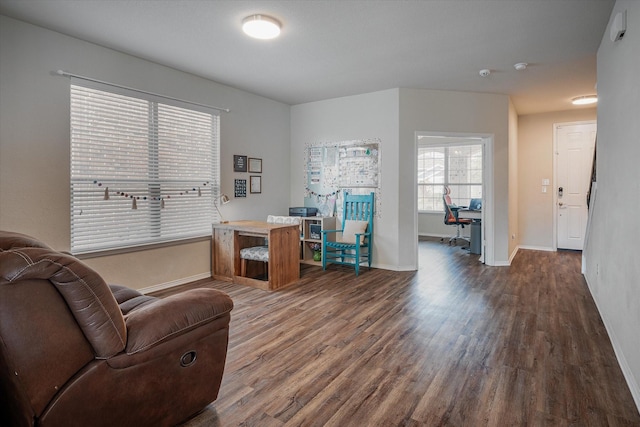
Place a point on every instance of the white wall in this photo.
(394, 116)
(34, 145)
(535, 163)
(513, 181)
(453, 112)
(432, 224)
(611, 254)
(372, 115)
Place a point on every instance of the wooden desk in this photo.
(284, 252)
(475, 241)
(467, 214)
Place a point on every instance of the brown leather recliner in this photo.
(77, 352)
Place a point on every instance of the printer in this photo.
(303, 211)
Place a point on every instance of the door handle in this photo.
(561, 205)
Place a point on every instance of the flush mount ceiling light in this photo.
(261, 27)
(585, 100)
(520, 66)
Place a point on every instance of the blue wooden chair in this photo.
(355, 244)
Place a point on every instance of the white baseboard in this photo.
(439, 236)
(500, 264)
(537, 248)
(167, 285)
(634, 387)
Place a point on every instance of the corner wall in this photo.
(514, 177)
(611, 255)
(453, 112)
(371, 115)
(34, 145)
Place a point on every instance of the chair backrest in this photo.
(358, 208)
(276, 219)
(449, 216)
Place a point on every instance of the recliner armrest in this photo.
(166, 318)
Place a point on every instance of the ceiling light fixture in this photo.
(261, 27)
(585, 100)
(520, 66)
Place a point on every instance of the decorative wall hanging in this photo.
(255, 165)
(240, 188)
(109, 191)
(239, 163)
(332, 168)
(255, 184)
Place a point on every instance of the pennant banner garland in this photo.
(134, 198)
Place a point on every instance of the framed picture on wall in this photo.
(255, 165)
(240, 188)
(239, 163)
(255, 184)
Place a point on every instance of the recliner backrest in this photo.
(85, 292)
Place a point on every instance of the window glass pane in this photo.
(457, 166)
(430, 165)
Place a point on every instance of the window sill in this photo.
(140, 248)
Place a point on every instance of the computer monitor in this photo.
(475, 205)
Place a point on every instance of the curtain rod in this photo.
(66, 74)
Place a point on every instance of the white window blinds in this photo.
(143, 169)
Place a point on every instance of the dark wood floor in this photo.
(455, 344)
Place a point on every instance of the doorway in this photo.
(574, 145)
(487, 226)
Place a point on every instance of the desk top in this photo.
(251, 226)
(469, 214)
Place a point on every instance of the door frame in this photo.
(486, 139)
(556, 127)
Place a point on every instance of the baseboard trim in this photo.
(513, 254)
(537, 248)
(173, 283)
(634, 387)
(440, 236)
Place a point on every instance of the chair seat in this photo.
(255, 253)
(460, 221)
(342, 245)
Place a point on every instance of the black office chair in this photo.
(451, 217)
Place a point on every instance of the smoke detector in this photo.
(520, 66)
(485, 72)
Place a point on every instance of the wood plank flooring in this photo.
(457, 343)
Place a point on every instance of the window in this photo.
(143, 169)
(457, 166)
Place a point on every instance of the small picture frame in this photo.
(315, 231)
(255, 165)
(239, 163)
(240, 188)
(255, 184)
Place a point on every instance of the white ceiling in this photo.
(330, 49)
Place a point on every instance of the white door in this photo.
(575, 145)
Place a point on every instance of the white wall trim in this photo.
(634, 387)
(173, 283)
(537, 248)
(440, 236)
(513, 254)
